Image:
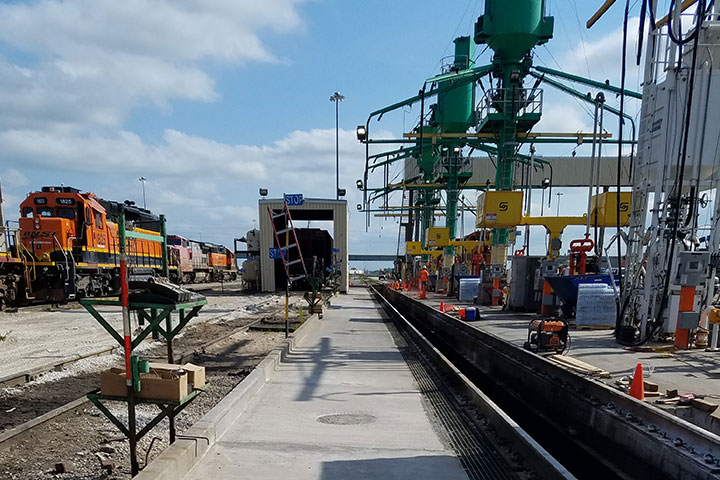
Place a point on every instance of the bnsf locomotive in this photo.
(197, 261)
(68, 244)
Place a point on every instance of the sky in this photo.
(209, 100)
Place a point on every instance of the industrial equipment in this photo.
(672, 180)
(547, 336)
(497, 120)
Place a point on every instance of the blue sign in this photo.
(275, 253)
(294, 199)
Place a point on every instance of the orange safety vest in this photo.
(424, 276)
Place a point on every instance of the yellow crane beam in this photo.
(606, 6)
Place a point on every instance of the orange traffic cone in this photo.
(442, 306)
(637, 388)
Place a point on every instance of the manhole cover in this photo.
(346, 419)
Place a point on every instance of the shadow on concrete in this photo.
(325, 357)
(412, 468)
(319, 359)
(367, 319)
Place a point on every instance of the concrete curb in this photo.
(191, 446)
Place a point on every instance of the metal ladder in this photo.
(285, 250)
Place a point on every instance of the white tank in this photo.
(251, 270)
(253, 239)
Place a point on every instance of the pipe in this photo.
(597, 171)
(592, 163)
(606, 6)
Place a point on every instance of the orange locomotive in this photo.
(199, 261)
(70, 245)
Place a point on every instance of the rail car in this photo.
(12, 267)
(199, 261)
(70, 243)
(67, 247)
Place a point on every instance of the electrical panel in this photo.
(692, 268)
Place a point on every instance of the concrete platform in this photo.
(342, 405)
(689, 371)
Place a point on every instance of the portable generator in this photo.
(547, 336)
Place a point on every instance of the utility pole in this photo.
(3, 244)
(559, 194)
(143, 180)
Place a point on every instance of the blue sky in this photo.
(210, 100)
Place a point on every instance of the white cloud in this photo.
(87, 63)
(202, 185)
(15, 178)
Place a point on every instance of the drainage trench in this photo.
(583, 432)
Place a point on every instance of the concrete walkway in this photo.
(343, 406)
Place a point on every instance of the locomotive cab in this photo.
(54, 221)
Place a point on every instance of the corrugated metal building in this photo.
(312, 209)
(566, 171)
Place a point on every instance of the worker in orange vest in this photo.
(424, 277)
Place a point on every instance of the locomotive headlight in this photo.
(46, 256)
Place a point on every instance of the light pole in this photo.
(559, 194)
(143, 180)
(337, 98)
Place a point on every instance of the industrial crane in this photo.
(500, 124)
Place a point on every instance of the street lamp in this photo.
(545, 184)
(337, 98)
(559, 194)
(143, 180)
(361, 133)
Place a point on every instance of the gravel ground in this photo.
(55, 388)
(84, 436)
(39, 335)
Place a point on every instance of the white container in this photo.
(468, 289)
(595, 306)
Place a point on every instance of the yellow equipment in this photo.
(607, 209)
(415, 248)
(438, 237)
(555, 227)
(499, 209)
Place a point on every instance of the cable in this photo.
(621, 122)
(683, 153)
(680, 175)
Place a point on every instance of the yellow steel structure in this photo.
(579, 136)
(660, 23)
(499, 209)
(600, 13)
(607, 209)
(415, 248)
(555, 227)
(437, 237)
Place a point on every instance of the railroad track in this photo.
(83, 401)
(569, 425)
(195, 287)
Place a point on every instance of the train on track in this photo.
(66, 247)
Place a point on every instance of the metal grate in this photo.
(478, 455)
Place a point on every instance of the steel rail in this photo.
(577, 419)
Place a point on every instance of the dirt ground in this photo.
(84, 436)
(40, 335)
